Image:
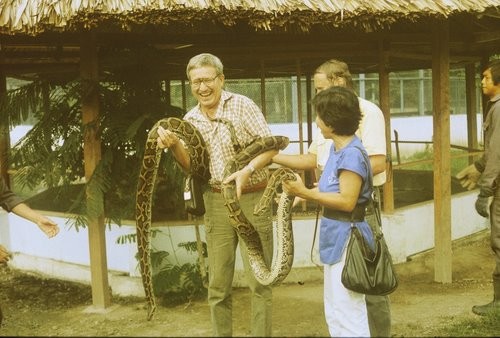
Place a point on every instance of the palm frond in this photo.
(51, 153)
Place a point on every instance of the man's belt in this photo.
(357, 215)
(248, 189)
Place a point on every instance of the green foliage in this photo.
(176, 284)
(132, 238)
(192, 247)
(173, 283)
(479, 326)
(51, 154)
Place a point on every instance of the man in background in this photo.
(485, 172)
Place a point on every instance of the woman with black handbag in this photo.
(343, 190)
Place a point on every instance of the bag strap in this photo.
(318, 209)
(374, 202)
(370, 176)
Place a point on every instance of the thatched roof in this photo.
(251, 36)
(36, 16)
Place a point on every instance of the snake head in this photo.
(259, 209)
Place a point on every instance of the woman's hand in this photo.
(295, 188)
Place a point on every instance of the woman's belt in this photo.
(356, 215)
(248, 189)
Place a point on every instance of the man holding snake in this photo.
(228, 122)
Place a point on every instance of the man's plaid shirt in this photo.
(249, 123)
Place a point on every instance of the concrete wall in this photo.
(408, 231)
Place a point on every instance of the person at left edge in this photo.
(10, 202)
(227, 121)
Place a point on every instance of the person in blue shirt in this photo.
(343, 191)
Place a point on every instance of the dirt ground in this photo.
(33, 306)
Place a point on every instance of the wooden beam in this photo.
(101, 297)
(299, 105)
(263, 105)
(385, 106)
(300, 118)
(442, 172)
(309, 112)
(471, 103)
(4, 134)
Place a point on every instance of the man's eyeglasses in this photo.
(208, 82)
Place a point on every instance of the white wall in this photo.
(408, 231)
(412, 128)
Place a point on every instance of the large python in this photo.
(283, 263)
(145, 187)
(200, 168)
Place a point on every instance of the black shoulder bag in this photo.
(366, 271)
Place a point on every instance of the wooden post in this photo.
(299, 106)
(385, 106)
(101, 297)
(471, 102)
(300, 120)
(4, 136)
(442, 172)
(263, 105)
(309, 110)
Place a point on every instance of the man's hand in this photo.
(239, 177)
(468, 177)
(166, 138)
(483, 201)
(4, 255)
(482, 205)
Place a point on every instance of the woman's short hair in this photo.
(338, 107)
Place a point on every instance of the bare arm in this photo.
(168, 139)
(302, 161)
(377, 163)
(242, 176)
(345, 200)
(45, 224)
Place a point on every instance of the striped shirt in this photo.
(248, 122)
